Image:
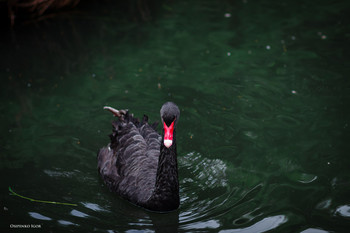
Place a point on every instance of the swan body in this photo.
(139, 164)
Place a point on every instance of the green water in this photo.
(263, 138)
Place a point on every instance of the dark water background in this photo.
(263, 139)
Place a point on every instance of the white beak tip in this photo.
(168, 143)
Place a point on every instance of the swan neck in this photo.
(165, 196)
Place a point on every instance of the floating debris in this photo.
(34, 200)
(322, 35)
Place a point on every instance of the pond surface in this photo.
(263, 140)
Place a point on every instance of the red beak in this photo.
(168, 134)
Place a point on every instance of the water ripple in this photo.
(39, 216)
(206, 192)
(343, 211)
(79, 214)
(93, 206)
(314, 230)
(264, 225)
(66, 223)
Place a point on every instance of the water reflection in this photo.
(343, 211)
(263, 225)
(93, 206)
(200, 225)
(66, 223)
(59, 173)
(78, 213)
(314, 230)
(324, 204)
(136, 231)
(39, 216)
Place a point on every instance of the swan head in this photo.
(169, 114)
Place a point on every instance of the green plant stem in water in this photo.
(31, 199)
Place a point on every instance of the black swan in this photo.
(139, 164)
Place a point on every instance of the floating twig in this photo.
(31, 199)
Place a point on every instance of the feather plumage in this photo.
(137, 165)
